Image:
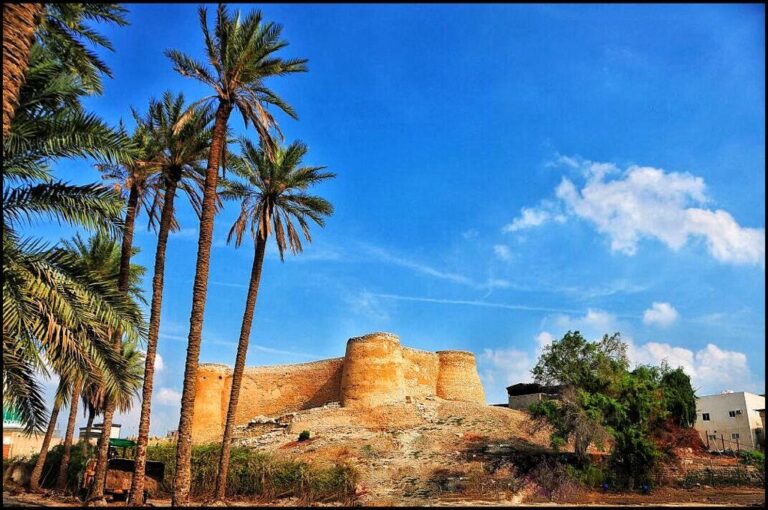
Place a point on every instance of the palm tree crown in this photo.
(273, 195)
(242, 56)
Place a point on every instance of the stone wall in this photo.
(457, 377)
(375, 370)
(265, 391)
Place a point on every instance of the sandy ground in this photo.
(398, 450)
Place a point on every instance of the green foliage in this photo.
(54, 313)
(601, 398)
(256, 474)
(52, 463)
(679, 396)
(753, 457)
(304, 435)
(589, 476)
(573, 361)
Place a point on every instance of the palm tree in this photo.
(272, 197)
(179, 151)
(242, 56)
(50, 306)
(74, 399)
(60, 28)
(19, 24)
(37, 470)
(100, 255)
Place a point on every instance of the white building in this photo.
(731, 420)
(96, 432)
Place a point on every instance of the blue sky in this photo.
(505, 173)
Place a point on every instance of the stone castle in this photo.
(375, 370)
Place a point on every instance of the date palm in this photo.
(50, 306)
(180, 146)
(19, 24)
(101, 255)
(61, 28)
(273, 195)
(99, 258)
(242, 55)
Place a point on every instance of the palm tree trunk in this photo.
(184, 442)
(97, 489)
(137, 484)
(20, 21)
(61, 481)
(88, 427)
(237, 376)
(37, 471)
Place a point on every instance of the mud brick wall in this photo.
(375, 370)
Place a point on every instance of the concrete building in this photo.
(522, 395)
(16, 442)
(96, 432)
(731, 420)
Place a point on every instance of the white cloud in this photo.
(712, 369)
(594, 319)
(661, 314)
(168, 396)
(529, 217)
(159, 363)
(499, 368)
(470, 234)
(647, 202)
(503, 252)
(543, 340)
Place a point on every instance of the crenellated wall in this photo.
(375, 370)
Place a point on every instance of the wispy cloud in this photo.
(384, 256)
(485, 304)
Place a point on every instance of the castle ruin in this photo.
(375, 370)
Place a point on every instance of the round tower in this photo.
(457, 378)
(373, 371)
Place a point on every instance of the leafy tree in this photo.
(679, 396)
(601, 399)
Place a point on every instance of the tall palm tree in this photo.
(62, 29)
(101, 256)
(272, 197)
(242, 54)
(19, 24)
(179, 151)
(50, 306)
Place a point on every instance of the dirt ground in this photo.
(399, 451)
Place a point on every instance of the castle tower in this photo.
(373, 371)
(457, 378)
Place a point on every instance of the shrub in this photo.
(254, 474)
(552, 478)
(304, 435)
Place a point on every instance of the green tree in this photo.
(242, 53)
(272, 197)
(50, 305)
(178, 147)
(679, 396)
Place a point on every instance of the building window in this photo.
(732, 414)
(705, 417)
(735, 435)
(712, 436)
